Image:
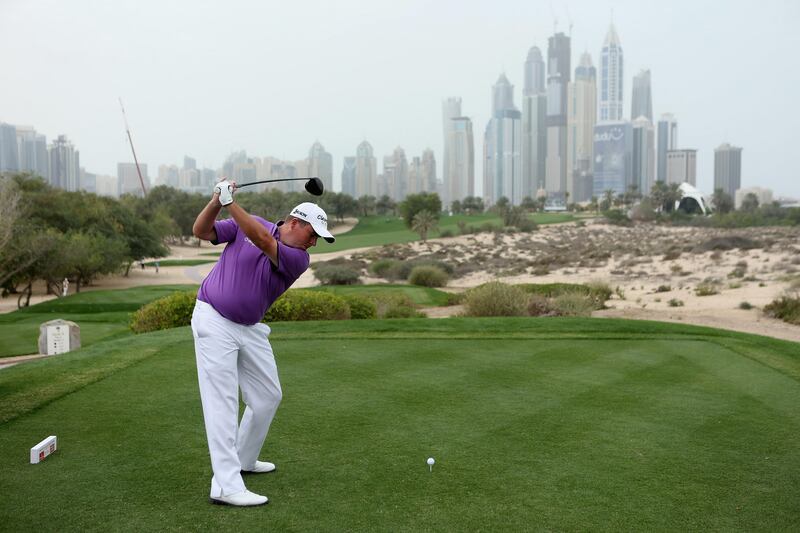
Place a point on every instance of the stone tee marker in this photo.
(59, 336)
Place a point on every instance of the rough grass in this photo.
(552, 424)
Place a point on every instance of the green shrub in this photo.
(394, 305)
(404, 268)
(573, 303)
(299, 304)
(675, 303)
(360, 307)
(706, 289)
(598, 291)
(496, 299)
(664, 288)
(171, 311)
(786, 308)
(617, 217)
(455, 298)
(336, 275)
(745, 305)
(539, 305)
(382, 267)
(445, 233)
(428, 276)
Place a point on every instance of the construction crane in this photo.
(130, 140)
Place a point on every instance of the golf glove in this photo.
(225, 191)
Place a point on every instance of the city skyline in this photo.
(187, 93)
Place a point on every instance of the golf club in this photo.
(313, 185)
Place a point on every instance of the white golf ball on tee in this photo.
(431, 461)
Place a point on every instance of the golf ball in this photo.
(430, 461)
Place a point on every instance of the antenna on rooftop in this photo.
(555, 18)
(569, 20)
(130, 140)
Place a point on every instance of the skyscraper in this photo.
(9, 156)
(32, 152)
(458, 165)
(428, 180)
(128, 179)
(349, 176)
(611, 77)
(462, 162)
(613, 145)
(320, 165)
(168, 175)
(451, 108)
(502, 170)
(65, 168)
(414, 176)
(667, 140)
(643, 155)
(366, 171)
(397, 179)
(581, 119)
(534, 124)
(728, 168)
(558, 77)
(642, 97)
(682, 166)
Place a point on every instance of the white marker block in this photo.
(43, 449)
(57, 340)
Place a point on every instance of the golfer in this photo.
(259, 263)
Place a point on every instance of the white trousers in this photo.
(231, 356)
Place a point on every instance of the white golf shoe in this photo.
(241, 499)
(261, 467)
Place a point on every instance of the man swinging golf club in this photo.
(259, 263)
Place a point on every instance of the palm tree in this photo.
(423, 222)
(658, 193)
(672, 195)
(608, 199)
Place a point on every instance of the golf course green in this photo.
(535, 424)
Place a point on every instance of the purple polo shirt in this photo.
(244, 282)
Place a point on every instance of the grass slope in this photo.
(380, 230)
(565, 424)
(101, 315)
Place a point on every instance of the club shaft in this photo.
(239, 185)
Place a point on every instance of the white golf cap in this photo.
(314, 215)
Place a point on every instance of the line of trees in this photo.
(48, 234)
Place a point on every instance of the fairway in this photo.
(543, 424)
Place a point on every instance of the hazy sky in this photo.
(204, 78)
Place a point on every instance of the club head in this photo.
(314, 186)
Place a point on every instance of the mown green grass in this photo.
(100, 315)
(421, 296)
(379, 230)
(547, 424)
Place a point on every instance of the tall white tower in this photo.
(611, 77)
